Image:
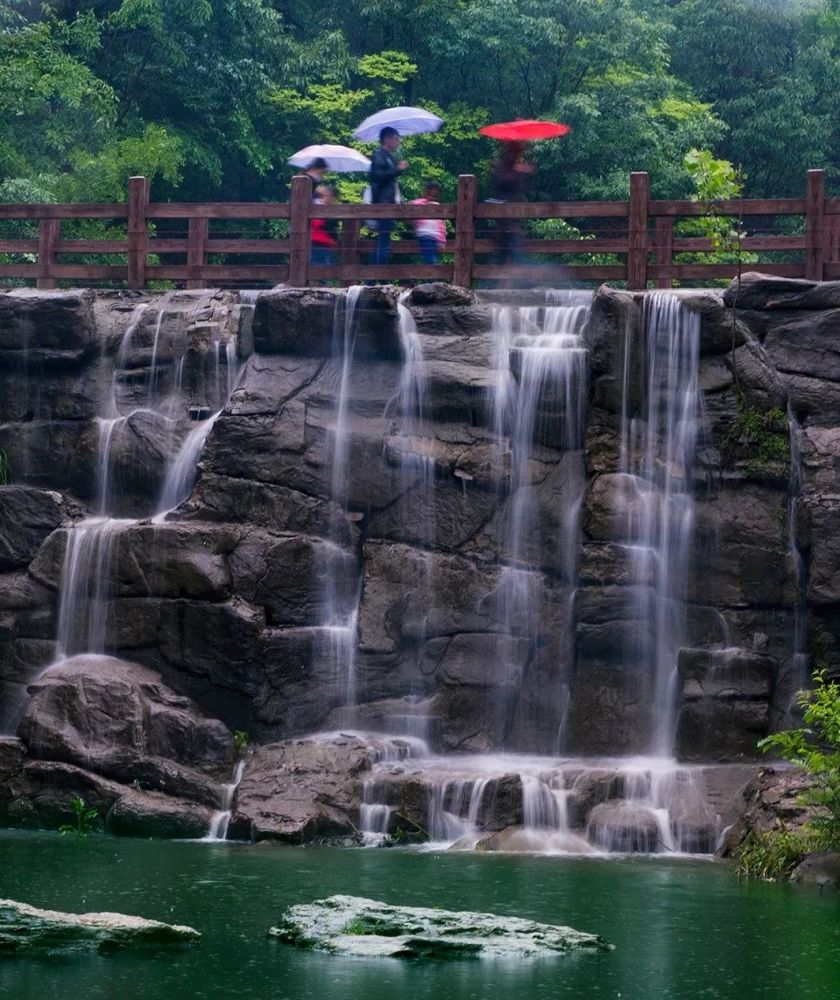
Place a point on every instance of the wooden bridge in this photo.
(209, 244)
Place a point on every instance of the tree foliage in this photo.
(209, 98)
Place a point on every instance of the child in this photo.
(431, 233)
(323, 233)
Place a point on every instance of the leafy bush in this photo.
(771, 855)
(816, 748)
(85, 819)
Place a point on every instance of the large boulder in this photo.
(119, 720)
(349, 925)
(772, 801)
(301, 791)
(47, 328)
(754, 290)
(725, 707)
(310, 322)
(28, 930)
(27, 516)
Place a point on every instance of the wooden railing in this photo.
(637, 236)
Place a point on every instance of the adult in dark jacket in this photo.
(384, 171)
(509, 177)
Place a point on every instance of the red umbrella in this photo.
(524, 129)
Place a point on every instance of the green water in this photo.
(684, 930)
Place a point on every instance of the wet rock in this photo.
(350, 925)
(725, 708)
(300, 321)
(119, 720)
(439, 293)
(820, 870)
(765, 292)
(151, 814)
(12, 785)
(54, 328)
(27, 516)
(609, 703)
(625, 827)
(301, 791)
(770, 802)
(28, 930)
(519, 840)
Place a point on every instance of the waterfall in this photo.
(339, 623)
(85, 587)
(801, 659)
(657, 455)
(220, 820)
(540, 402)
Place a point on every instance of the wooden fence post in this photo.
(465, 230)
(301, 201)
(814, 224)
(196, 249)
(49, 233)
(664, 248)
(138, 236)
(349, 245)
(638, 230)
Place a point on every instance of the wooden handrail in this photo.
(640, 231)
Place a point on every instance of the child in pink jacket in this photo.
(430, 233)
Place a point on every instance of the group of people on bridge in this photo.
(509, 177)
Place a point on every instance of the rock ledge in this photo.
(25, 928)
(350, 925)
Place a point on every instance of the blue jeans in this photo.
(323, 255)
(384, 229)
(428, 249)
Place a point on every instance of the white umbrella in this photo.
(407, 121)
(340, 159)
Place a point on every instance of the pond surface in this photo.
(682, 929)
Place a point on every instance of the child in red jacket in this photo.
(323, 233)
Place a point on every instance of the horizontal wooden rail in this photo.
(195, 244)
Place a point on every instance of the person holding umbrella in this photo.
(384, 171)
(510, 174)
(388, 125)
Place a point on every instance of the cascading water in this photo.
(658, 446)
(339, 624)
(540, 400)
(220, 820)
(86, 579)
(801, 660)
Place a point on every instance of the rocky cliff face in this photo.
(370, 544)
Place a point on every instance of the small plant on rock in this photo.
(85, 819)
(240, 743)
(5, 468)
(816, 749)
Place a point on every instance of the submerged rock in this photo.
(25, 928)
(351, 925)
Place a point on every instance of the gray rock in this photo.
(301, 791)
(27, 516)
(301, 321)
(623, 826)
(119, 720)
(151, 814)
(350, 925)
(28, 930)
(46, 328)
(821, 870)
(765, 292)
(770, 802)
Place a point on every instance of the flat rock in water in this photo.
(25, 928)
(350, 925)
